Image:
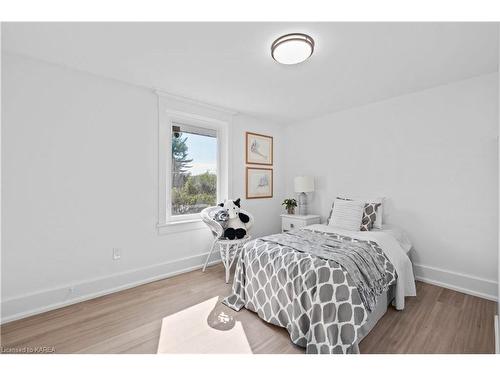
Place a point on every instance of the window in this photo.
(193, 165)
(194, 169)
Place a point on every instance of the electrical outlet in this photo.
(117, 253)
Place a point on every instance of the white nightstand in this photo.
(289, 222)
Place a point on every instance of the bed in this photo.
(327, 286)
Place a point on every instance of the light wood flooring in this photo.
(438, 320)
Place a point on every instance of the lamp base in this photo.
(302, 204)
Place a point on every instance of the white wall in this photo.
(79, 178)
(433, 155)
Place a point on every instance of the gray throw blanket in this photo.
(364, 265)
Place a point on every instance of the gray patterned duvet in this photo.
(319, 286)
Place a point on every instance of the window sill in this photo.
(180, 226)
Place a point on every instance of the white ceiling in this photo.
(229, 64)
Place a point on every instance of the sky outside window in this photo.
(203, 150)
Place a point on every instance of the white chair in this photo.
(229, 249)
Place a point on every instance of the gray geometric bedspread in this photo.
(292, 281)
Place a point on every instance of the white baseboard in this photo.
(468, 284)
(50, 299)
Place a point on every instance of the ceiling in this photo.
(229, 64)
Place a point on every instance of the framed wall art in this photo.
(259, 183)
(259, 149)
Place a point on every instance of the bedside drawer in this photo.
(289, 224)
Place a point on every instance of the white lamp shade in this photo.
(304, 184)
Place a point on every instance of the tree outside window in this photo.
(194, 172)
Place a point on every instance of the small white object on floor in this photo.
(189, 331)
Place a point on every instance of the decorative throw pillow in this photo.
(347, 214)
(369, 216)
(221, 216)
(331, 210)
(380, 210)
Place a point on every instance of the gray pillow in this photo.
(221, 216)
(369, 216)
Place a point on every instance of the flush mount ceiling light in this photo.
(292, 48)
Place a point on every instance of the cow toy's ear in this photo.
(237, 202)
(221, 205)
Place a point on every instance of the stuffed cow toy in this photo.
(236, 223)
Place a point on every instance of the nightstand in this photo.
(289, 222)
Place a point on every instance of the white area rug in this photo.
(203, 329)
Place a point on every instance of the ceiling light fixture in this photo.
(292, 48)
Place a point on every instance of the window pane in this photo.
(194, 172)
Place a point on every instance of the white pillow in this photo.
(380, 210)
(347, 214)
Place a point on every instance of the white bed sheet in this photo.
(405, 284)
(398, 234)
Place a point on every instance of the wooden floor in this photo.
(436, 321)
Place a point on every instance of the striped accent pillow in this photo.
(347, 214)
(331, 209)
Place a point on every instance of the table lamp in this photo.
(303, 185)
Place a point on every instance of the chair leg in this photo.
(210, 253)
(227, 264)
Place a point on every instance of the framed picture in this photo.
(259, 149)
(259, 183)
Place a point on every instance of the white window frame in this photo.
(198, 116)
